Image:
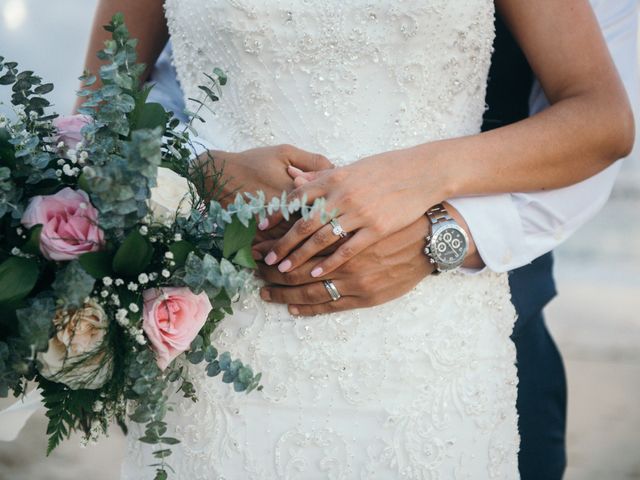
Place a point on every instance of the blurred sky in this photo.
(49, 37)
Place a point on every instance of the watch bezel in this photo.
(434, 239)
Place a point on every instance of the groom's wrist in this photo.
(472, 260)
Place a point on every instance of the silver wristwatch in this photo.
(447, 244)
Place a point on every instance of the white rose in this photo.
(77, 355)
(170, 196)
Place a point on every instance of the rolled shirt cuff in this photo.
(496, 227)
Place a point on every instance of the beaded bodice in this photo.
(343, 78)
(420, 388)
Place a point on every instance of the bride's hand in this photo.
(382, 272)
(374, 197)
(259, 169)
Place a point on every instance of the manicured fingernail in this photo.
(270, 259)
(316, 272)
(256, 255)
(294, 310)
(265, 294)
(264, 224)
(294, 170)
(285, 266)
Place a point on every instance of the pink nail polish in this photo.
(285, 266)
(264, 224)
(316, 272)
(270, 259)
(294, 311)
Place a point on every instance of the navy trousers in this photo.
(542, 388)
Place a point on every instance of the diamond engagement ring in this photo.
(333, 291)
(338, 231)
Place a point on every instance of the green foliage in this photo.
(97, 264)
(181, 251)
(18, 276)
(133, 256)
(72, 284)
(32, 245)
(152, 116)
(121, 187)
(35, 322)
(238, 236)
(67, 410)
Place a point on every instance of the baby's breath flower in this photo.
(153, 276)
(61, 162)
(177, 237)
(143, 278)
(108, 281)
(119, 282)
(168, 255)
(132, 286)
(121, 317)
(104, 293)
(166, 273)
(134, 308)
(144, 230)
(140, 339)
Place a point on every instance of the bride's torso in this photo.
(342, 78)
(420, 387)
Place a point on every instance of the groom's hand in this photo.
(252, 170)
(382, 272)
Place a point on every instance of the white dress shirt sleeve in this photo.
(167, 92)
(511, 230)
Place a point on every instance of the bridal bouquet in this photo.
(115, 262)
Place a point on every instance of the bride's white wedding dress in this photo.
(423, 387)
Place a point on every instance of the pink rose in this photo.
(69, 224)
(172, 318)
(69, 129)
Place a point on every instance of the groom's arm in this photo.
(511, 230)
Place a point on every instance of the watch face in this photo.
(449, 245)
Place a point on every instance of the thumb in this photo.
(310, 162)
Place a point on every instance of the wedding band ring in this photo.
(337, 230)
(333, 291)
